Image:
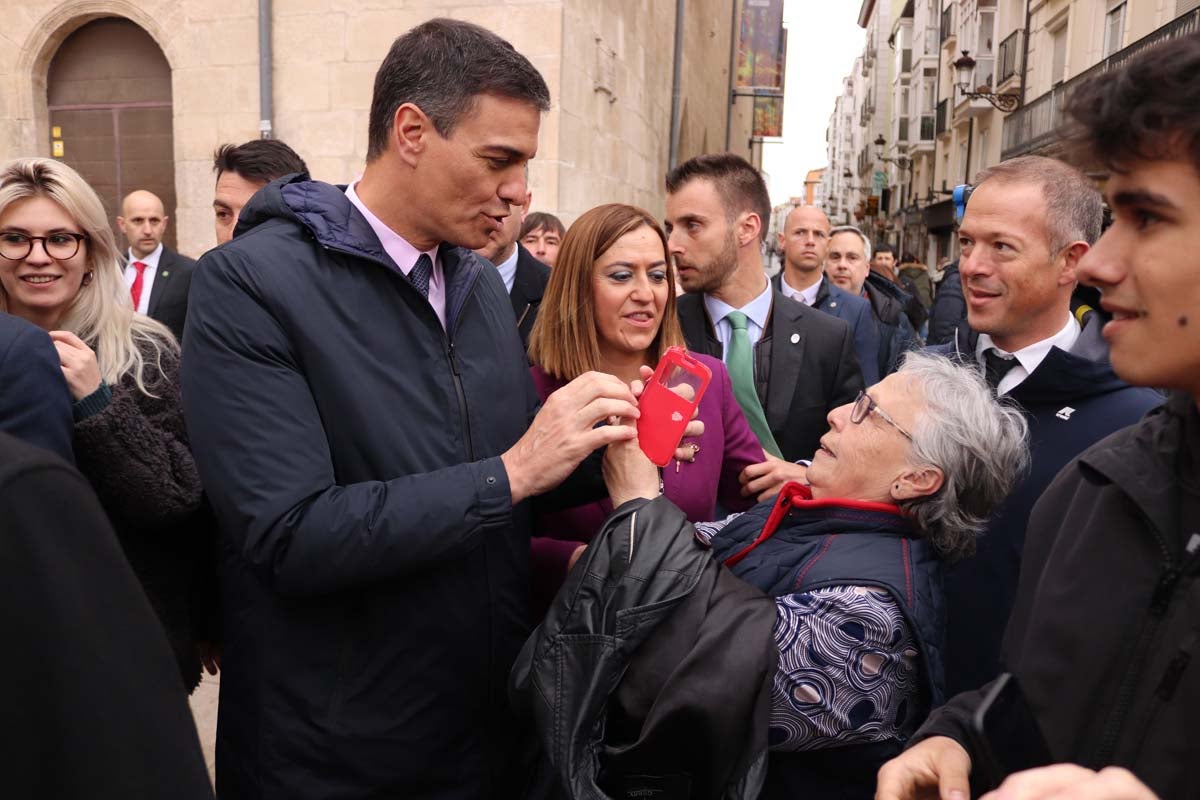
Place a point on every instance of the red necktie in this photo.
(135, 290)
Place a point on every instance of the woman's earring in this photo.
(87, 277)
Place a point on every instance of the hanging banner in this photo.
(761, 46)
(768, 115)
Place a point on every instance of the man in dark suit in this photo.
(158, 277)
(35, 404)
(804, 241)
(790, 365)
(524, 276)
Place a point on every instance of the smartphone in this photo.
(1005, 735)
(668, 403)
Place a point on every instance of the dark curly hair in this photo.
(1148, 109)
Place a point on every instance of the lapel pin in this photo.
(165, 273)
(833, 304)
(795, 338)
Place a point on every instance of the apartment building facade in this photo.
(973, 82)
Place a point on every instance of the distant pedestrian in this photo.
(804, 243)
(542, 235)
(157, 276)
(524, 275)
(848, 264)
(244, 169)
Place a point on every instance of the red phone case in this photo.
(664, 405)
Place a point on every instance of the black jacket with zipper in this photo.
(1105, 634)
(375, 574)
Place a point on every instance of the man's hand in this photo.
(628, 473)
(564, 432)
(936, 769)
(763, 481)
(78, 364)
(1071, 782)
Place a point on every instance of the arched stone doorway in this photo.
(108, 94)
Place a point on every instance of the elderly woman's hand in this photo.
(628, 473)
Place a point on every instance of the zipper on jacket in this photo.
(462, 399)
(1160, 603)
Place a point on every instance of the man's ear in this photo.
(411, 130)
(1068, 261)
(749, 227)
(121, 223)
(917, 482)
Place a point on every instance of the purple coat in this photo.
(727, 447)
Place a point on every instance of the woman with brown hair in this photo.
(610, 307)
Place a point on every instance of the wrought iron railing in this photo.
(1037, 124)
(1009, 55)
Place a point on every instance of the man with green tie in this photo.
(790, 364)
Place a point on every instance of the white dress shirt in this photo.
(151, 262)
(405, 255)
(1028, 358)
(508, 270)
(757, 312)
(807, 296)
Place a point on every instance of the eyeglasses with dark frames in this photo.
(864, 405)
(61, 246)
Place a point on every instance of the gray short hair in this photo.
(977, 441)
(852, 229)
(1074, 207)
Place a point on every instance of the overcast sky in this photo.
(823, 41)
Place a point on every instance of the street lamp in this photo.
(965, 69)
(902, 161)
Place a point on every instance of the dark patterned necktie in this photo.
(419, 275)
(996, 366)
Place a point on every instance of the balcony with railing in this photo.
(947, 25)
(1036, 125)
(1009, 57)
(927, 127)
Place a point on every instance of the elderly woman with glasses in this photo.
(903, 481)
(60, 269)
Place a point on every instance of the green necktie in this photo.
(739, 360)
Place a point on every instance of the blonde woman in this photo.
(60, 269)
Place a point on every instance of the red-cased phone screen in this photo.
(668, 403)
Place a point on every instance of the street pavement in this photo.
(204, 709)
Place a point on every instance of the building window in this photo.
(1114, 28)
(1058, 60)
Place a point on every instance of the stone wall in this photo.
(596, 144)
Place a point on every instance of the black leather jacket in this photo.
(651, 673)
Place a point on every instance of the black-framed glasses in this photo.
(864, 405)
(62, 245)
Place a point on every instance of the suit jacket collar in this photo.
(698, 329)
(529, 283)
(162, 278)
(788, 341)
